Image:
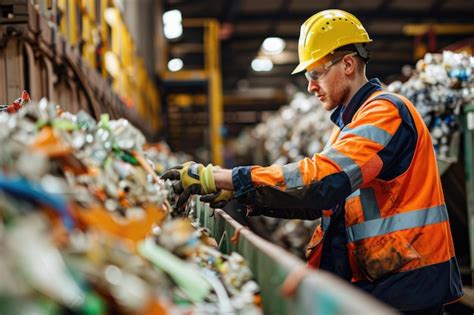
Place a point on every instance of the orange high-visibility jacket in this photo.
(398, 237)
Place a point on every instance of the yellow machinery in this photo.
(80, 54)
(212, 74)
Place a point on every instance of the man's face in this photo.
(329, 83)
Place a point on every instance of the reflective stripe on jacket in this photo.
(396, 229)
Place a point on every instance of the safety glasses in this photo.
(319, 71)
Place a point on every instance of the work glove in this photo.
(218, 199)
(191, 179)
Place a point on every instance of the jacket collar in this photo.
(342, 115)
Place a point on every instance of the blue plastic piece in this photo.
(21, 188)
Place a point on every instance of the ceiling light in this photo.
(273, 45)
(175, 64)
(172, 17)
(262, 64)
(173, 31)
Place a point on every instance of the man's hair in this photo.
(361, 50)
(363, 54)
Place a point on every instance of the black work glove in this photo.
(189, 179)
(218, 199)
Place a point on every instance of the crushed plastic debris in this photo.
(86, 227)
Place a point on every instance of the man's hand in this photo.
(191, 179)
(218, 199)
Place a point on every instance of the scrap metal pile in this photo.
(441, 84)
(297, 130)
(85, 225)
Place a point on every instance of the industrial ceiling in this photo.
(246, 23)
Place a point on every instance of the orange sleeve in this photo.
(354, 152)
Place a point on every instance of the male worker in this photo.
(375, 185)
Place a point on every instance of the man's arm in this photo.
(223, 179)
(330, 176)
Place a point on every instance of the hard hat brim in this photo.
(302, 66)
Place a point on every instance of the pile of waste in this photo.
(297, 130)
(85, 225)
(162, 157)
(441, 84)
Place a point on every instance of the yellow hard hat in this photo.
(326, 31)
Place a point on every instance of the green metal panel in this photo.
(318, 292)
(468, 108)
(269, 275)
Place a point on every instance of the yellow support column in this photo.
(104, 35)
(212, 48)
(62, 7)
(73, 30)
(88, 29)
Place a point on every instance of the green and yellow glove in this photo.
(218, 199)
(191, 179)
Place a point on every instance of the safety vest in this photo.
(391, 226)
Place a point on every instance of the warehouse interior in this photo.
(398, 28)
(102, 97)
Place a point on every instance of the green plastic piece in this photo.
(49, 307)
(41, 123)
(104, 121)
(64, 125)
(185, 275)
(93, 305)
(129, 158)
(125, 156)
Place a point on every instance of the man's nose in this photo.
(313, 86)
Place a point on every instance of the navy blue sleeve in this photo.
(242, 181)
(299, 203)
(398, 153)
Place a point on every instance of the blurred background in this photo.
(210, 81)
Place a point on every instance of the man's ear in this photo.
(350, 65)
